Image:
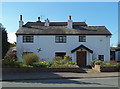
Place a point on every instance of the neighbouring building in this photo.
(49, 39)
(115, 53)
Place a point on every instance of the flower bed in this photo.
(111, 66)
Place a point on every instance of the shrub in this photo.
(70, 62)
(24, 65)
(12, 53)
(63, 66)
(30, 58)
(98, 62)
(50, 64)
(40, 64)
(9, 62)
(67, 58)
(58, 58)
(93, 63)
(59, 62)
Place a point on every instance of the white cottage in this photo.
(49, 39)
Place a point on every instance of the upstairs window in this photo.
(101, 57)
(82, 38)
(60, 54)
(28, 39)
(60, 39)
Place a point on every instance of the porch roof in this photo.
(82, 46)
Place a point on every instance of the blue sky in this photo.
(94, 13)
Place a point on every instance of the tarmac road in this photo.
(85, 82)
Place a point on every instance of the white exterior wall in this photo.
(99, 44)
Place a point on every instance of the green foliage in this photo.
(9, 62)
(24, 65)
(30, 58)
(110, 64)
(98, 62)
(63, 66)
(57, 58)
(39, 64)
(50, 64)
(70, 62)
(93, 63)
(12, 53)
(5, 45)
(59, 62)
(67, 58)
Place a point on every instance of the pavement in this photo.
(57, 75)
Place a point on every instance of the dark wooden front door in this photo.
(81, 58)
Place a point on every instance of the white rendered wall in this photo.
(99, 44)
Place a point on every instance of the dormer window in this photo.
(82, 38)
(60, 39)
(28, 39)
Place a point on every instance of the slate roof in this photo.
(60, 28)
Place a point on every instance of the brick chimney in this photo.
(21, 22)
(69, 22)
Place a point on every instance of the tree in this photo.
(4, 41)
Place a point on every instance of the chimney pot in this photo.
(69, 17)
(38, 18)
(21, 17)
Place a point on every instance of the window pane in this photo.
(28, 39)
(82, 38)
(60, 39)
(101, 57)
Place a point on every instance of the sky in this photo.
(93, 13)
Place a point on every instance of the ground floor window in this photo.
(60, 54)
(101, 57)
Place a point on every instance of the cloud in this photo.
(11, 37)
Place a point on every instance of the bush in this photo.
(59, 62)
(57, 58)
(110, 64)
(42, 65)
(30, 58)
(63, 66)
(50, 64)
(98, 62)
(93, 63)
(70, 62)
(24, 66)
(9, 62)
(12, 53)
(67, 58)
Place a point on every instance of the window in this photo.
(60, 39)
(60, 54)
(28, 39)
(82, 38)
(101, 57)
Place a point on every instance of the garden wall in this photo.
(30, 70)
(106, 68)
